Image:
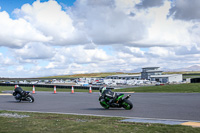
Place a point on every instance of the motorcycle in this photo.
(26, 96)
(119, 102)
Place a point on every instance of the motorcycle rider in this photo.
(107, 93)
(19, 91)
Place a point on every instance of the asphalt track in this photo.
(176, 106)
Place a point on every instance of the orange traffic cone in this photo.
(33, 89)
(90, 90)
(54, 89)
(72, 89)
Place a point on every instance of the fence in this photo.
(52, 86)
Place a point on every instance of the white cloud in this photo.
(159, 52)
(5, 61)
(163, 31)
(100, 22)
(98, 36)
(150, 4)
(79, 55)
(185, 10)
(35, 51)
(90, 46)
(51, 20)
(193, 49)
(19, 68)
(15, 33)
(129, 50)
(107, 24)
(112, 23)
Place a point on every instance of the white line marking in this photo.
(4, 94)
(105, 116)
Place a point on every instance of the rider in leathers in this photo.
(19, 91)
(108, 93)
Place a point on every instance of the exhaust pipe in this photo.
(127, 97)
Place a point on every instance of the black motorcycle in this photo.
(25, 96)
(119, 102)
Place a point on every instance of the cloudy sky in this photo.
(62, 37)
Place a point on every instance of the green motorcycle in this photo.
(118, 103)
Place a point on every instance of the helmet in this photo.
(102, 89)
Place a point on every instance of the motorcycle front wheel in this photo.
(126, 104)
(18, 100)
(30, 99)
(104, 105)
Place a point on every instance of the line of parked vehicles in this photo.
(114, 82)
(91, 81)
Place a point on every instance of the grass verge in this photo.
(62, 123)
(90, 75)
(177, 88)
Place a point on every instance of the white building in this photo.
(148, 71)
(167, 78)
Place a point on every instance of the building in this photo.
(172, 78)
(150, 74)
(148, 71)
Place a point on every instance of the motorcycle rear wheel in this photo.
(126, 104)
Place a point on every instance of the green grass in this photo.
(90, 75)
(191, 76)
(105, 74)
(62, 123)
(183, 72)
(9, 88)
(178, 88)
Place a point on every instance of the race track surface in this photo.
(180, 106)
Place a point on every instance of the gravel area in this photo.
(12, 115)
